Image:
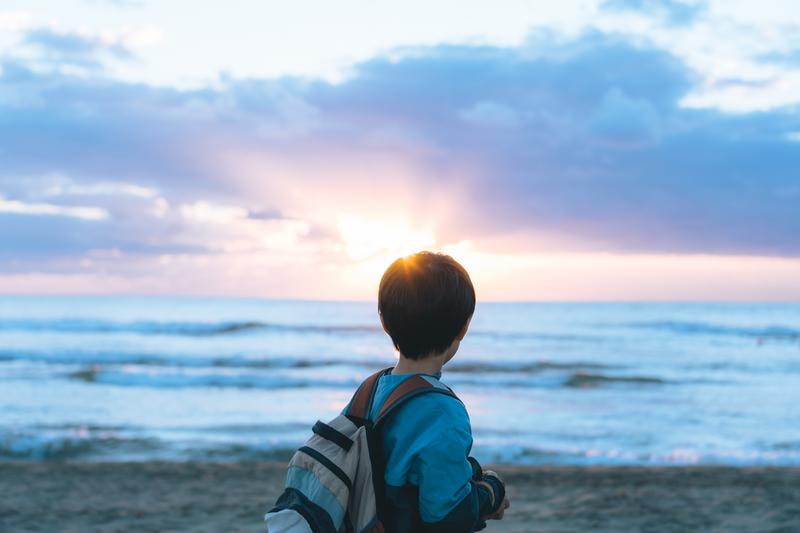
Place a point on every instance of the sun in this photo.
(371, 243)
(366, 238)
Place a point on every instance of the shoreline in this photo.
(194, 496)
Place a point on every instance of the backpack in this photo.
(335, 481)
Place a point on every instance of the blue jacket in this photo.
(430, 482)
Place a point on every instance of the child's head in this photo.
(426, 301)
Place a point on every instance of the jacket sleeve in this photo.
(450, 500)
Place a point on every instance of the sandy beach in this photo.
(153, 496)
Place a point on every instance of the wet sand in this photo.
(110, 497)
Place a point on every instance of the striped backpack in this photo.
(335, 481)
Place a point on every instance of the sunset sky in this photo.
(571, 150)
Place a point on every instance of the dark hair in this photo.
(424, 300)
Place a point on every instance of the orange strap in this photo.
(409, 386)
(360, 402)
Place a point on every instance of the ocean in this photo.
(121, 378)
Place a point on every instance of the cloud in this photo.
(563, 144)
(787, 57)
(119, 3)
(676, 12)
(73, 48)
(14, 20)
(603, 157)
(66, 188)
(490, 113)
(39, 209)
(625, 119)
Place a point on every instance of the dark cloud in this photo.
(583, 140)
(600, 151)
(103, 129)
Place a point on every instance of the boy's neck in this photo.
(430, 365)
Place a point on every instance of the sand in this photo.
(164, 497)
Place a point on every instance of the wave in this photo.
(585, 380)
(583, 456)
(100, 358)
(128, 378)
(210, 329)
(96, 446)
(190, 329)
(542, 336)
(168, 377)
(84, 443)
(708, 328)
(34, 446)
(219, 428)
(159, 360)
(534, 367)
(574, 380)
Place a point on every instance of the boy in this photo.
(426, 302)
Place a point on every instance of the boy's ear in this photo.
(463, 331)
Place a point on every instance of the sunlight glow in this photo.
(365, 238)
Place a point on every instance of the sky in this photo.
(579, 150)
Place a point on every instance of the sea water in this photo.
(117, 378)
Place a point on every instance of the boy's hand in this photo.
(498, 515)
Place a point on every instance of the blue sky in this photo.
(618, 149)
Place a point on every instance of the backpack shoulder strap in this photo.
(413, 386)
(362, 400)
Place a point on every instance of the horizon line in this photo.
(365, 300)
